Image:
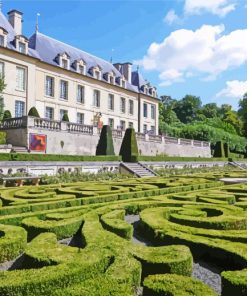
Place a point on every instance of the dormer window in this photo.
(63, 60)
(96, 72)
(110, 77)
(80, 66)
(1, 40)
(21, 44)
(3, 37)
(22, 47)
(64, 64)
(123, 83)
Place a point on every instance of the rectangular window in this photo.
(1, 69)
(153, 111)
(152, 130)
(96, 98)
(122, 125)
(62, 112)
(112, 81)
(22, 47)
(64, 64)
(20, 78)
(145, 128)
(111, 102)
(80, 118)
(81, 69)
(131, 124)
(49, 86)
(63, 89)
(49, 113)
(80, 94)
(1, 40)
(111, 123)
(19, 108)
(145, 110)
(131, 107)
(122, 105)
(97, 74)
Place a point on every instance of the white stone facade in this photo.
(71, 85)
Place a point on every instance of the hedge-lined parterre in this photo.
(187, 217)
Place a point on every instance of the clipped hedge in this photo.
(56, 157)
(129, 148)
(105, 145)
(175, 285)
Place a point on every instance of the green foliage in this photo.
(65, 117)
(7, 115)
(33, 112)
(2, 138)
(219, 150)
(187, 108)
(175, 285)
(56, 157)
(129, 148)
(105, 145)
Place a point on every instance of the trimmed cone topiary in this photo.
(65, 117)
(7, 115)
(105, 145)
(219, 149)
(129, 148)
(33, 112)
(226, 150)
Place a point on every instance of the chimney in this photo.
(127, 71)
(118, 66)
(15, 19)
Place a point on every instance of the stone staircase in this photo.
(19, 149)
(137, 169)
(237, 165)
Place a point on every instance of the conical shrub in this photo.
(105, 145)
(65, 117)
(129, 148)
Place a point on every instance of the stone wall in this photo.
(74, 139)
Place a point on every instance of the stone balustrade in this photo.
(80, 128)
(52, 125)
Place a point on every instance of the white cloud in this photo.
(234, 89)
(206, 52)
(171, 17)
(217, 7)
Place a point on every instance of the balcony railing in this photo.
(80, 128)
(47, 124)
(12, 123)
(140, 136)
(116, 133)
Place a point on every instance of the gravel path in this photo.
(210, 275)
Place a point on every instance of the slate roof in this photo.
(47, 49)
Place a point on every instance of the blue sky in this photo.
(183, 47)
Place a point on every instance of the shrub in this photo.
(219, 150)
(105, 145)
(7, 115)
(129, 148)
(3, 139)
(226, 150)
(33, 112)
(65, 117)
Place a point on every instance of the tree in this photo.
(242, 111)
(209, 110)
(166, 111)
(33, 112)
(105, 145)
(187, 108)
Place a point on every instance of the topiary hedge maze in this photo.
(78, 239)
